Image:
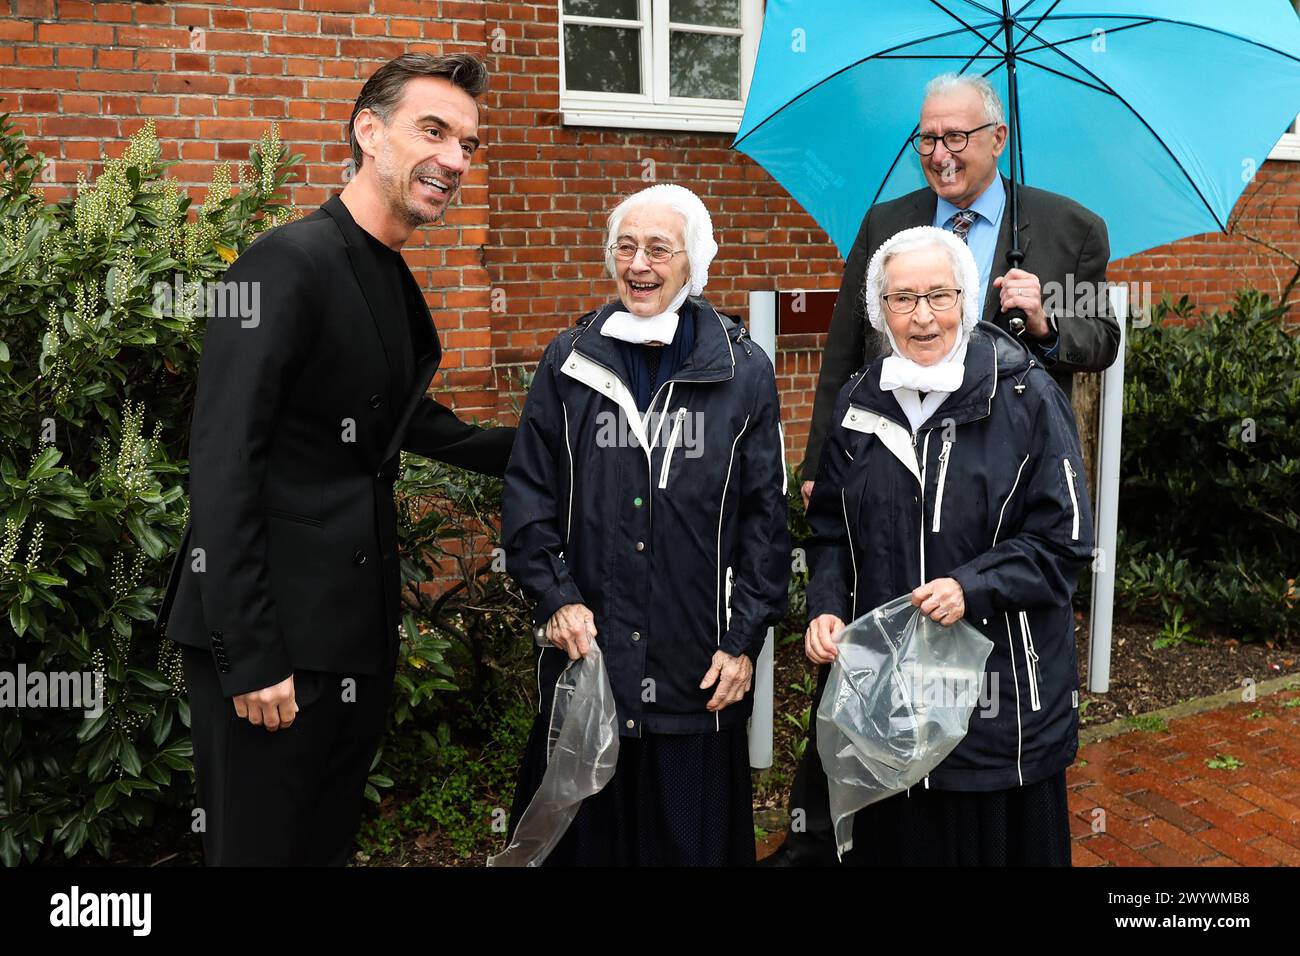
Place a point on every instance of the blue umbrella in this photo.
(1155, 114)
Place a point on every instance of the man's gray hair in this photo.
(947, 82)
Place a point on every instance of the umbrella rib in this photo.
(1015, 49)
(1065, 76)
(1141, 119)
(1081, 36)
(989, 10)
(844, 69)
(1172, 21)
(988, 41)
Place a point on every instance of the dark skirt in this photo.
(1023, 826)
(674, 800)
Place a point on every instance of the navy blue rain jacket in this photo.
(988, 491)
(676, 538)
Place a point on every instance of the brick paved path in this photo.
(1163, 806)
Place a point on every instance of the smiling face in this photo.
(648, 288)
(924, 336)
(960, 177)
(420, 154)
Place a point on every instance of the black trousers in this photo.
(810, 839)
(293, 797)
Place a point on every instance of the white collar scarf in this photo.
(906, 379)
(641, 330)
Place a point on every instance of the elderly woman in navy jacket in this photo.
(645, 509)
(953, 472)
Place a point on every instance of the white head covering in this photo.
(700, 248)
(900, 374)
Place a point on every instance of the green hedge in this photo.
(1210, 494)
(96, 388)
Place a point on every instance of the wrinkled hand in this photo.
(806, 490)
(272, 707)
(819, 639)
(571, 629)
(942, 601)
(1022, 290)
(734, 677)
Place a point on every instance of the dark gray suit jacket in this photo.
(1058, 236)
(290, 559)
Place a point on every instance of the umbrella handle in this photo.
(1015, 317)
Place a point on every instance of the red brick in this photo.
(34, 56)
(1278, 850)
(1237, 850)
(230, 19)
(1267, 801)
(164, 37)
(1114, 852)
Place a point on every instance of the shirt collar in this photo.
(987, 204)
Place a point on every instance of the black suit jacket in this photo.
(1058, 236)
(290, 557)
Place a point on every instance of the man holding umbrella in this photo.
(961, 134)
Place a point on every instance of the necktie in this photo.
(961, 224)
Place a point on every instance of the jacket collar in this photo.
(389, 316)
(596, 363)
(992, 354)
(711, 359)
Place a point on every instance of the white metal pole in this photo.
(1107, 517)
(762, 329)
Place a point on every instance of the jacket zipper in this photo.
(938, 495)
(728, 597)
(925, 457)
(1031, 659)
(848, 537)
(672, 443)
(1074, 498)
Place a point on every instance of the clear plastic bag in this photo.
(582, 751)
(898, 700)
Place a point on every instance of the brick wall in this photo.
(81, 77)
(523, 257)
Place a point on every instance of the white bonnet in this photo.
(964, 271)
(698, 233)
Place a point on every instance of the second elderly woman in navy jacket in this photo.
(645, 509)
(953, 473)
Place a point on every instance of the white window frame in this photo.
(657, 109)
(1288, 147)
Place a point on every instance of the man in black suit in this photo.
(961, 134)
(286, 588)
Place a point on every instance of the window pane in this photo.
(612, 9)
(704, 65)
(605, 59)
(713, 13)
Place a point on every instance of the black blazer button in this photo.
(375, 401)
(359, 558)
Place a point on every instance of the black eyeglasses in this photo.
(904, 303)
(954, 140)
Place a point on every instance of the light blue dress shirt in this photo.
(983, 241)
(983, 235)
